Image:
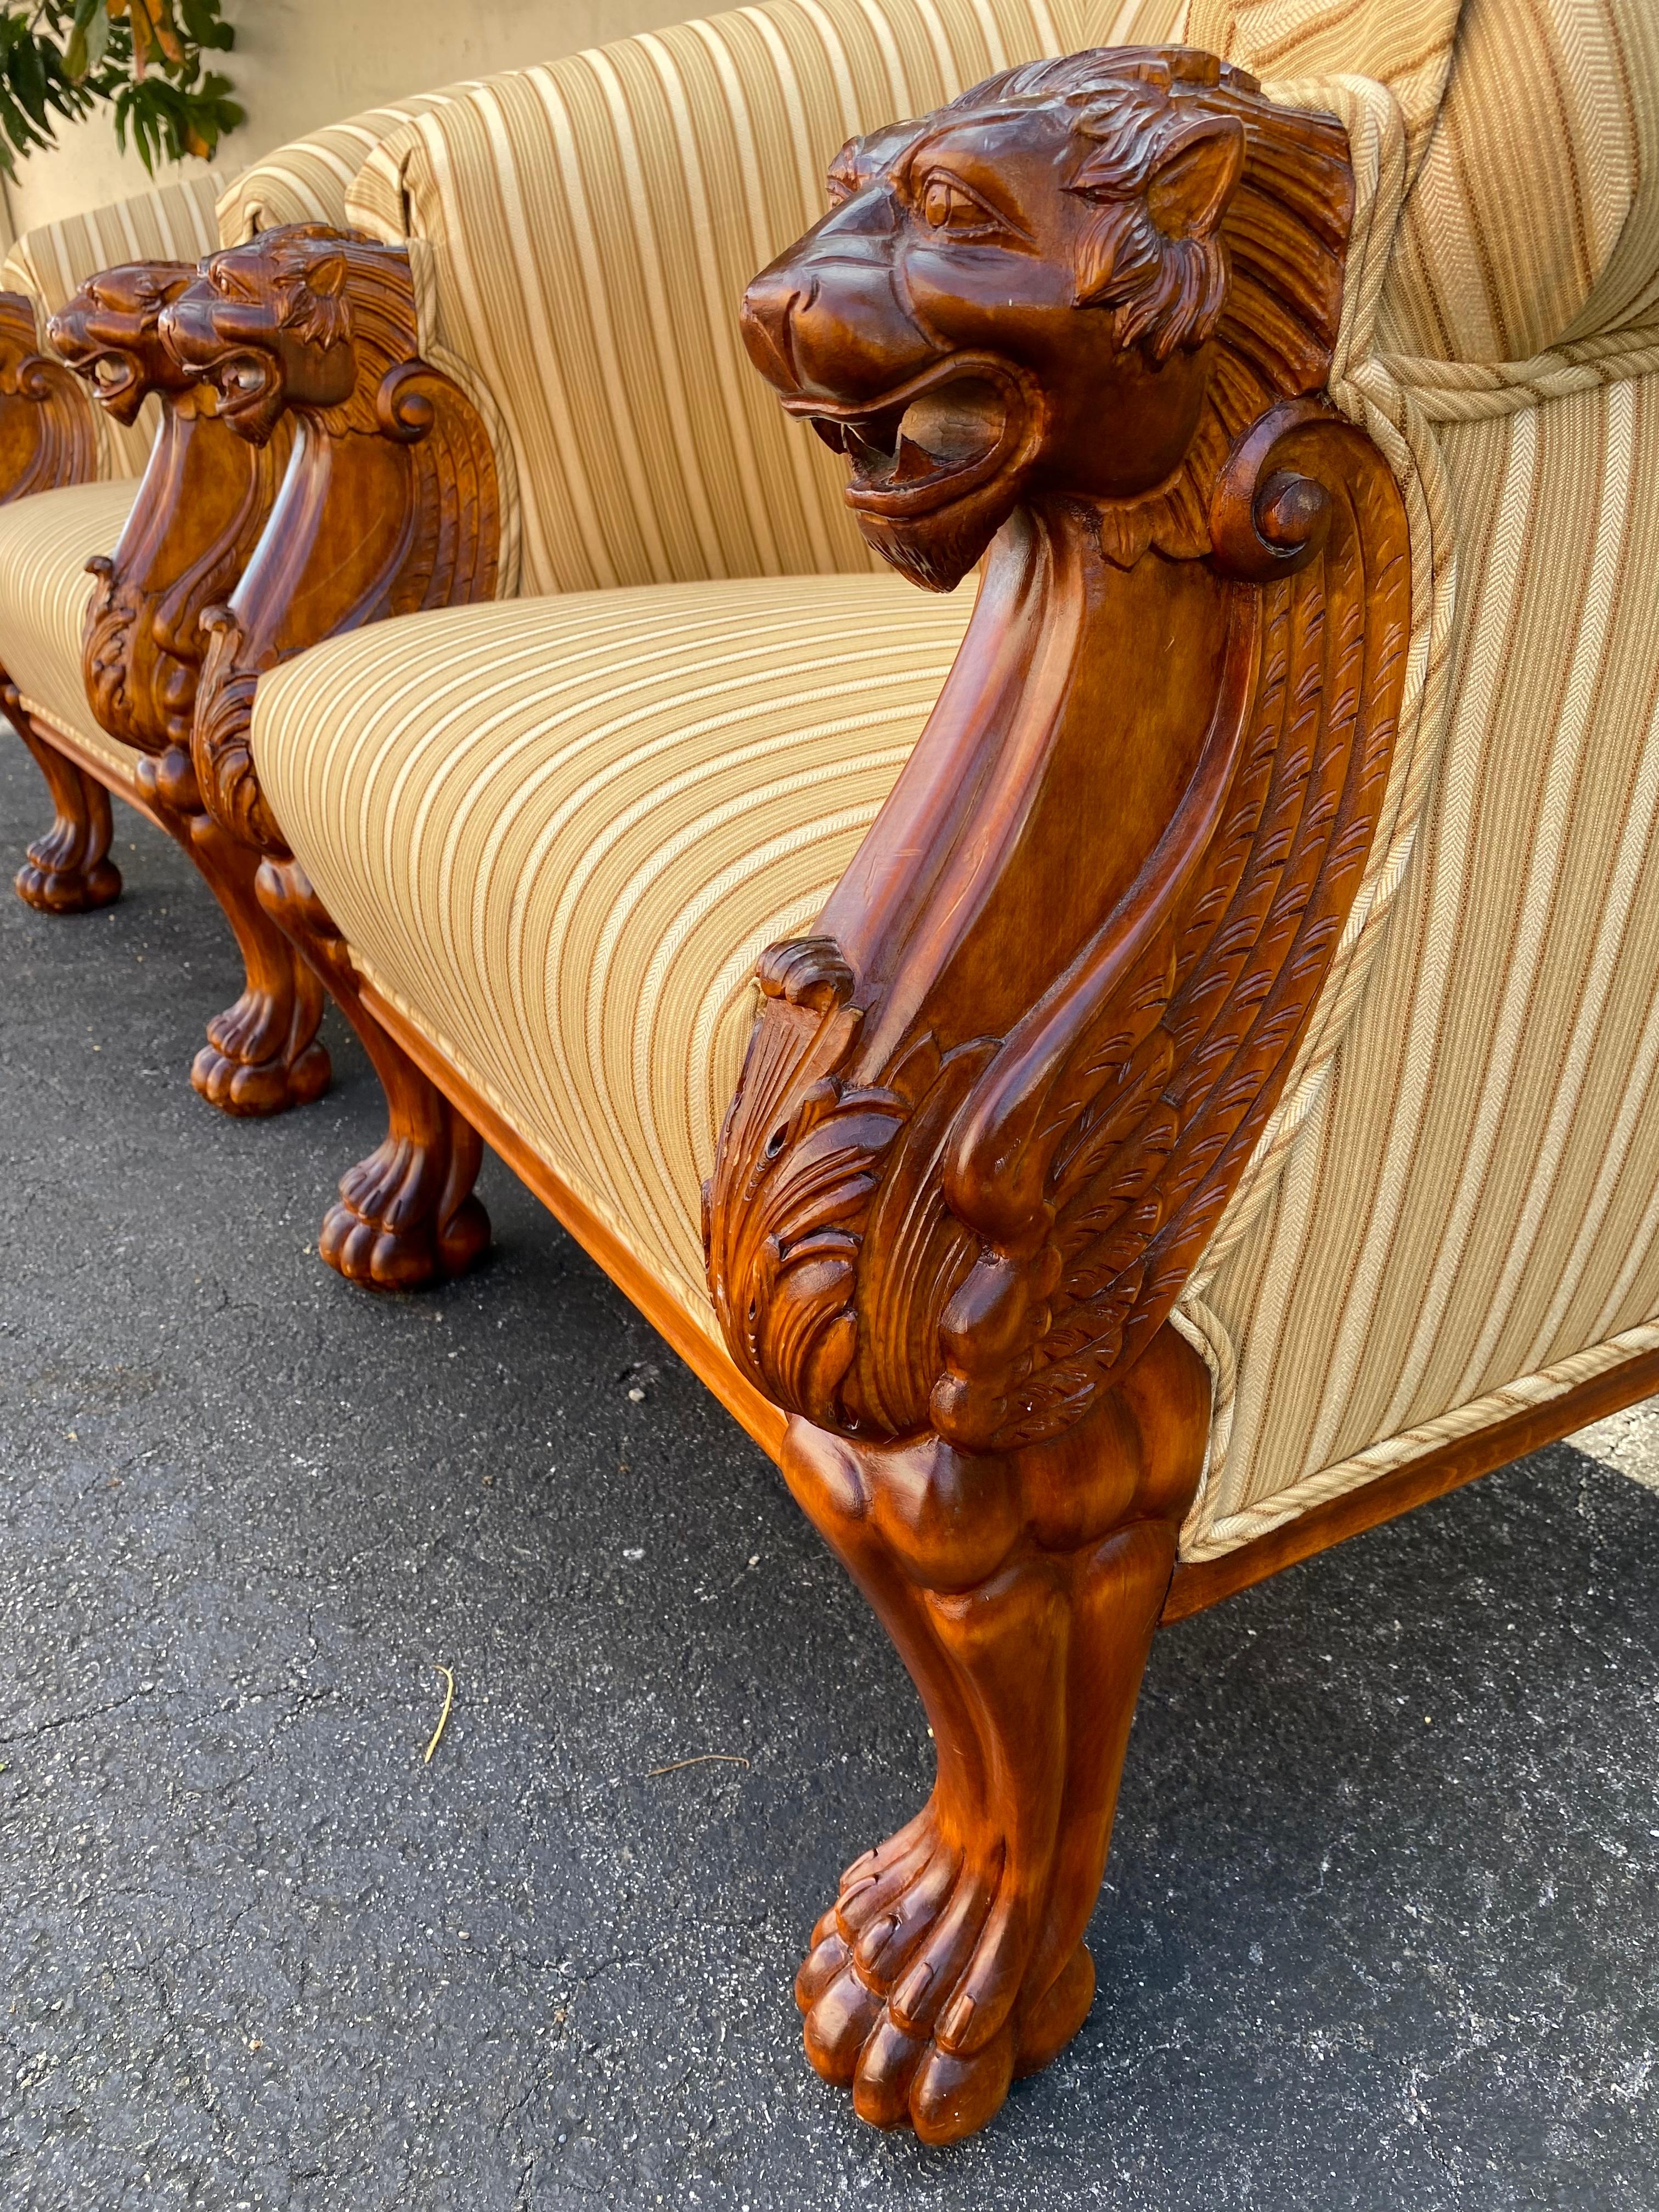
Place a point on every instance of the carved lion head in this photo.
(110, 333)
(1021, 294)
(278, 323)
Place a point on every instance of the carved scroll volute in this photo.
(201, 506)
(1081, 318)
(47, 435)
(390, 503)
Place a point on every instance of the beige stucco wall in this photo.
(299, 63)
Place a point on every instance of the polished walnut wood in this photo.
(48, 437)
(1078, 323)
(203, 502)
(390, 505)
(67, 869)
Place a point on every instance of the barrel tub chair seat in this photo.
(558, 833)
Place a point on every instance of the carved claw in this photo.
(68, 869)
(406, 1216)
(244, 1069)
(910, 1989)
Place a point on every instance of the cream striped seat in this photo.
(558, 833)
(45, 542)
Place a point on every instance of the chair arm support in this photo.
(202, 503)
(48, 437)
(390, 502)
(994, 1106)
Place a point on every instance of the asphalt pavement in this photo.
(1380, 1927)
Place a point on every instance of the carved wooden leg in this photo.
(68, 870)
(261, 1055)
(406, 1215)
(1022, 1593)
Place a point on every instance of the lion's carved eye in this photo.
(946, 205)
(843, 179)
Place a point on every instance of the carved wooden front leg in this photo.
(406, 1216)
(390, 505)
(262, 1054)
(1022, 1590)
(67, 870)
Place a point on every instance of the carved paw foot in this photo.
(68, 870)
(249, 1066)
(912, 1988)
(69, 889)
(406, 1216)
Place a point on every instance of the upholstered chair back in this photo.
(1533, 221)
(589, 226)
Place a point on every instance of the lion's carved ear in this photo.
(1187, 192)
(316, 306)
(326, 275)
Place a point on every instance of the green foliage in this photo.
(144, 58)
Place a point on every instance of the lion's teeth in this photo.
(914, 463)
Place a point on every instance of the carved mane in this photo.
(994, 1106)
(1279, 252)
(48, 437)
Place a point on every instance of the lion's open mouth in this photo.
(114, 375)
(242, 381)
(930, 439)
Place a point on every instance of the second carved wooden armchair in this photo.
(1118, 1075)
(111, 457)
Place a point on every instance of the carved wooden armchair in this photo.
(103, 694)
(1118, 1077)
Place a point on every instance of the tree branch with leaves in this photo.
(144, 58)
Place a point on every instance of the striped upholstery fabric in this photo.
(1534, 218)
(174, 223)
(1470, 1216)
(561, 832)
(308, 180)
(45, 545)
(591, 225)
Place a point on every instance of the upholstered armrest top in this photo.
(49, 264)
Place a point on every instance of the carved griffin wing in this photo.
(913, 1225)
(1121, 1114)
